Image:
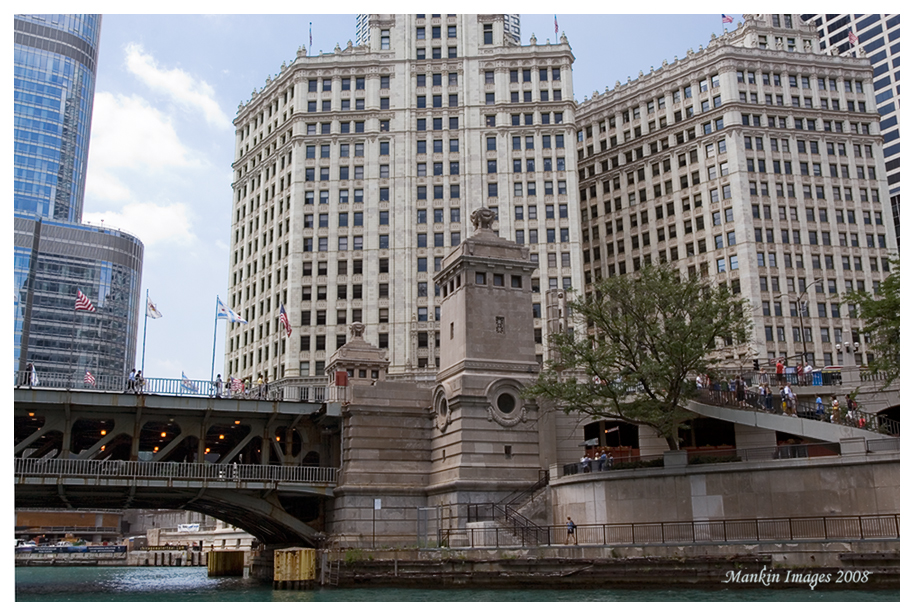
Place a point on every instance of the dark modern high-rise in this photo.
(54, 254)
(879, 41)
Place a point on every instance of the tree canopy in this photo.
(648, 333)
(882, 316)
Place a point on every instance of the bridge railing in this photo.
(174, 470)
(181, 387)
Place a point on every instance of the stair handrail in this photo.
(531, 490)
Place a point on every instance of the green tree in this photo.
(649, 334)
(882, 315)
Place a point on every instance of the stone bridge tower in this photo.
(485, 441)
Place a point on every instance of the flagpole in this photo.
(215, 322)
(72, 347)
(145, 323)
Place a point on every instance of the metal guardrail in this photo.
(174, 470)
(752, 401)
(824, 528)
(183, 388)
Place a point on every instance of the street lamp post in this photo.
(800, 313)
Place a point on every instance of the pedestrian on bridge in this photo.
(131, 380)
(140, 381)
(218, 385)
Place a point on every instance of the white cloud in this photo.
(180, 86)
(152, 223)
(127, 133)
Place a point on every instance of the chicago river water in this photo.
(192, 584)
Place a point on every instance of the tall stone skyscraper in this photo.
(356, 172)
(756, 162)
(54, 254)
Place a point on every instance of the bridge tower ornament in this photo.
(483, 218)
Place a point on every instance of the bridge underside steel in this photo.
(116, 426)
(271, 442)
(275, 516)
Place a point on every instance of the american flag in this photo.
(83, 303)
(237, 385)
(852, 37)
(556, 17)
(89, 379)
(284, 320)
(726, 19)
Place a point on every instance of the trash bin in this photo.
(817, 378)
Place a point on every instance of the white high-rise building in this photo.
(879, 41)
(356, 172)
(512, 28)
(756, 162)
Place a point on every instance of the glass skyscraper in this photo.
(54, 254)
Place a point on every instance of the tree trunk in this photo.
(673, 442)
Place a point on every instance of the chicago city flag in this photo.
(151, 310)
(224, 312)
(186, 383)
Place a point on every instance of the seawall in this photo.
(824, 564)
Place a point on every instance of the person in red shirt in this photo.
(779, 371)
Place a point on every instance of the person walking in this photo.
(571, 526)
(769, 398)
(835, 410)
(820, 408)
(602, 461)
(218, 385)
(131, 381)
(740, 392)
(791, 399)
(140, 381)
(260, 386)
(779, 372)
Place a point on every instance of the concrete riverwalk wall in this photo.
(865, 484)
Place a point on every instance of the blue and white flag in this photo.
(186, 383)
(33, 377)
(224, 312)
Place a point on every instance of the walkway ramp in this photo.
(809, 428)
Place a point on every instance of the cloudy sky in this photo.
(162, 137)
